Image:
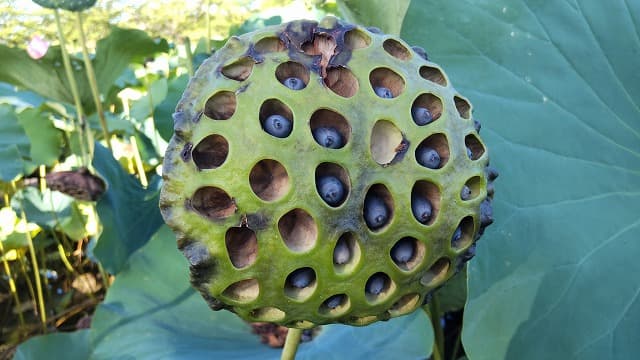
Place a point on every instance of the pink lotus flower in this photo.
(37, 47)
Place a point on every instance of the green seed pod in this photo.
(280, 227)
(70, 5)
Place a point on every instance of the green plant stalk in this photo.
(189, 53)
(138, 161)
(74, 91)
(93, 83)
(291, 344)
(153, 119)
(23, 270)
(208, 42)
(36, 270)
(12, 284)
(438, 341)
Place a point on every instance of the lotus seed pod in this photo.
(70, 5)
(303, 185)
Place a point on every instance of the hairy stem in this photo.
(291, 344)
(74, 92)
(93, 83)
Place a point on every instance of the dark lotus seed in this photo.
(294, 83)
(421, 208)
(375, 284)
(334, 301)
(420, 51)
(328, 137)
(470, 153)
(476, 125)
(331, 190)
(428, 157)
(376, 212)
(402, 251)
(374, 30)
(342, 253)
(383, 92)
(457, 235)
(421, 116)
(301, 278)
(465, 193)
(277, 125)
(486, 213)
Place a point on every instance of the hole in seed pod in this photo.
(475, 150)
(471, 189)
(346, 253)
(425, 109)
(268, 314)
(356, 39)
(335, 305)
(269, 44)
(463, 107)
(407, 253)
(433, 152)
(341, 81)
(276, 118)
(211, 152)
(436, 273)
(298, 230)
(239, 70)
(405, 304)
(386, 142)
(396, 49)
(221, 105)
(330, 129)
(433, 74)
(425, 202)
(332, 183)
(301, 283)
(269, 180)
(462, 236)
(243, 291)
(293, 75)
(362, 320)
(242, 246)
(378, 207)
(386, 83)
(213, 203)
(378, 287)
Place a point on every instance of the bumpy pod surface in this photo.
(327, 214)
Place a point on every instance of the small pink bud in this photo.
(37, 47)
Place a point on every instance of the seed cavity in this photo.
(405, 304)
(242, 291)
(386, 83)
(213, 203)
(386, 142)
(425, 109)
(378, 207)
(378, 287)
(221, 106)
(298, 230)
(433, 152)
(239, 70)
(293, 75)
(329, 128)
(269, 180)
(471, 188)
(341, 81)
(425, 202)
(211, 152)
(462, 236)
(276, 118)
(269, 44)
(356, 39)
(474, 147)
(242, 246)
(268, 314)
(346, 253)
(332, 183)
(300, 283)
(436, 273)
(463, 107)
(433, 74)
(396, 49)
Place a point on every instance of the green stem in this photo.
(208, 43)
(291, 344)
(36, 270)
(23, 270)
(187, 49)
(74, 91)
(12, 284)
(438, 342)
(93, 83)
(456, 347)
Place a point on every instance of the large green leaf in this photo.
(384, 14)
(47, 76)
(151, 312)
(48, 209)
(68, 346)
(557, 87)
(163, 112)
(14, 145)
(128, 212)
(45, 139)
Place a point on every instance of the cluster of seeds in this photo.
(324, 172)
